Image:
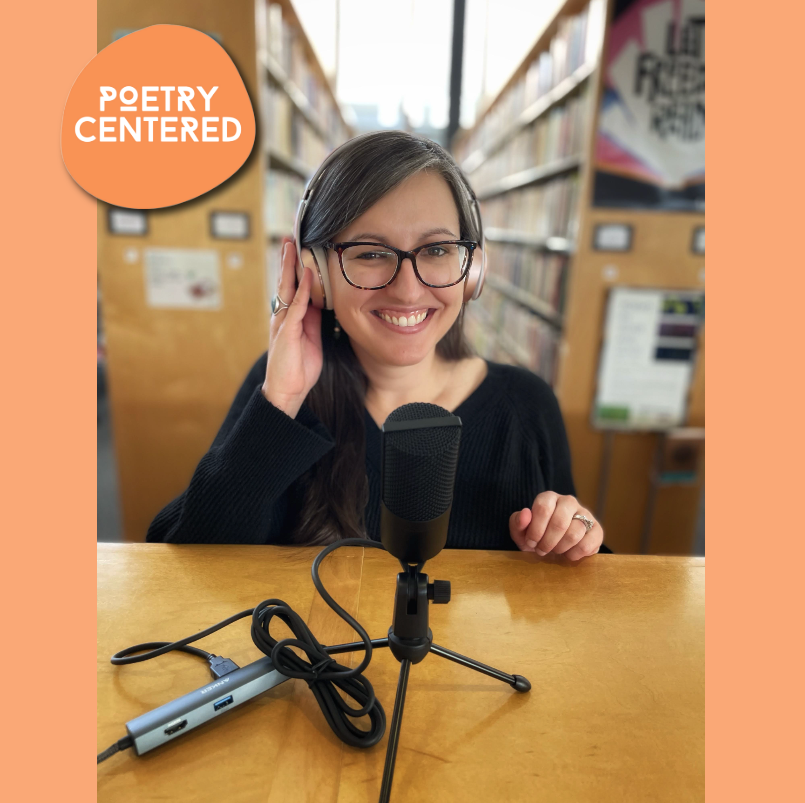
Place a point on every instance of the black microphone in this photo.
(419, 456)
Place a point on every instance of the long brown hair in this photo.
(363, 171)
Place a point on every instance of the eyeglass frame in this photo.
(339, 249)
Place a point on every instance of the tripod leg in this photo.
(394, 732)
(354, 646)
(517, 682)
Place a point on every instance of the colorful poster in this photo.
(650, 145)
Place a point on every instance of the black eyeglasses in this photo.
(371, 266)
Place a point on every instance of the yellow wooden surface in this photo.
(614, 648)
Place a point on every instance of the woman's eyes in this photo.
(374, 255)
(436, 251)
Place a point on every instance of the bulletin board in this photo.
(647, 358)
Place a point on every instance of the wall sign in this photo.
(129, 222)
(647, 359)
(612, 237)
(229, 225)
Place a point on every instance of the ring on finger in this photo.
(588, 523)
(277, 304)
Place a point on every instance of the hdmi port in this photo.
(176, 727)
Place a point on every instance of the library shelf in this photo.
(539, 307)
(277, 74)
(534, 175)
(530, 115)
(288, 163)
(557, 245)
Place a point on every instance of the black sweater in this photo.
(246, 488)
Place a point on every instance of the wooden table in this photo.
(614, 649)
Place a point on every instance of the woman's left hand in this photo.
(548, 526)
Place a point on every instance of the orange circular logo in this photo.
(157, 118)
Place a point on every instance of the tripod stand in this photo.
(410, 640)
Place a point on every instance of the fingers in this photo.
(589, 544)
(573, 535)
(541, 513)
(518, 523)
(554, 513)
(287, 283)
(298, 308)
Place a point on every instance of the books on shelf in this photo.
(502, 330)
(541, 210)
(540, 274)
(294, 76)
(557, 135)
(576, 43)
(283, 193)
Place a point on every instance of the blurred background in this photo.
(580, 125)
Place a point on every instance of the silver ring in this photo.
(588, 523)
(277, 304)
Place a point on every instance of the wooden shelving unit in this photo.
(530, 158)
(172, 372)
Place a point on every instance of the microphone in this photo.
(419, 456)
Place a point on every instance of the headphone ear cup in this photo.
(322, 295)
(474, 283)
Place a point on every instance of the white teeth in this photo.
(411, 320)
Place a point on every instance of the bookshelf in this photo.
(530, 158)
(172, 373)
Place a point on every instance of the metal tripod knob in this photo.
(439, 592)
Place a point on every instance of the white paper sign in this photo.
(182, 278)
(648, 358)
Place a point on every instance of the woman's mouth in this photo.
(404, 321)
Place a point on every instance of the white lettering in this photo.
(124, 124)
(149, 98)
(189, 125)
(207, 97)
(208, 130)
(224, 136)
(186, 94)
(167, 90)
(150, 121)
(107, 93)
(78, 129)
(107, 129)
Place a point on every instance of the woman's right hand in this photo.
(294, 349)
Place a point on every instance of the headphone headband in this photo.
(473, 284)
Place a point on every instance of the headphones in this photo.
(321, 295)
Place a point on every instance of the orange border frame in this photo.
(49, 270)
(756, 282)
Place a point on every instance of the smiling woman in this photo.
(390, 249)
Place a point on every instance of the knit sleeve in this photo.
(539, 411)
(238, 491)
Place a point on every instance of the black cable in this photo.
(120, 744)
(323, 674)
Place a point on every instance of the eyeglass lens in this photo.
(374, 265)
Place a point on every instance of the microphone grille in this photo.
(419, 465)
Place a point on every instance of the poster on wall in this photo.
(648, 358)
(649, 151)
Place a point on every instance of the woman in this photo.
(297, 460)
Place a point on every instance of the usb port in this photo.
(223, 703)
(175, 727)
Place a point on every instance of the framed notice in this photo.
(229, 225)
(127, 222)
(647, 358)
(182, 278)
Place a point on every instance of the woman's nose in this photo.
(406, 285)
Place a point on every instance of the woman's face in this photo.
(421, 210)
